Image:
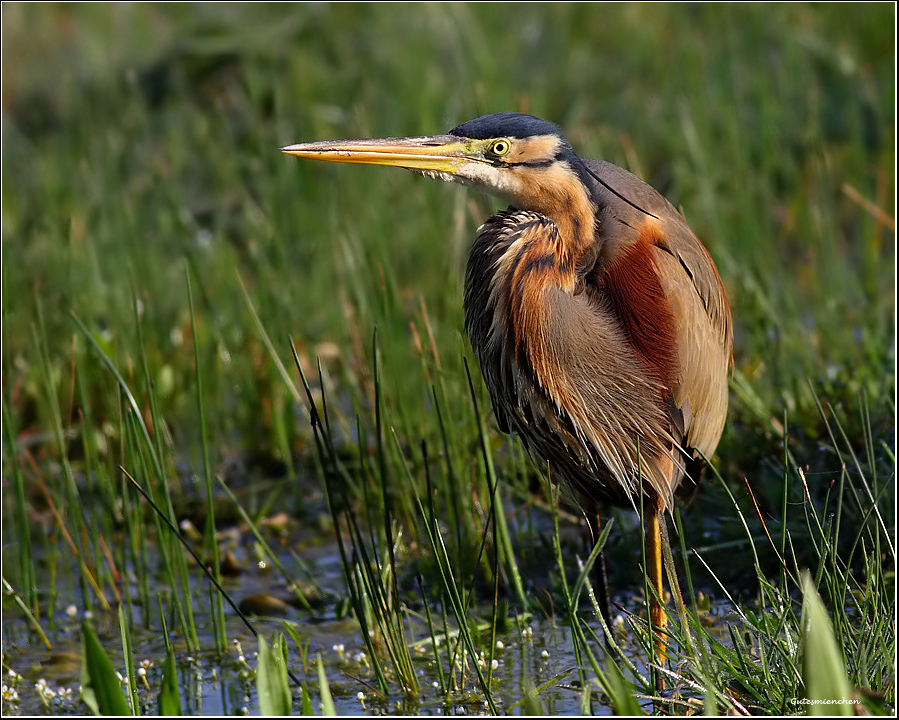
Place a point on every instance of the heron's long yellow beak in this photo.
(434, 153)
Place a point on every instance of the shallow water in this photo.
(212, 685)
(536, 650)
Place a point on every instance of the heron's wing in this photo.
(634, 213)
(702, 330)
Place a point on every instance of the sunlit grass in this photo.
(140, 149)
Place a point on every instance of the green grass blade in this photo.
(826, 684)
(306, 708)
(502, 530)
(324, 689)
(26, 611)
(203, 567)
(101, 688)
(271, 678)
(459, 607)
(24, 555)
(531, 705)
(623, 699)
(218, 608)
(169, 700)
(125, 628)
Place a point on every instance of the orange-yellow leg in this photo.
(654, 560)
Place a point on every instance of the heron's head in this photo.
(519, 158)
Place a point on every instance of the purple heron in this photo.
(598, 318)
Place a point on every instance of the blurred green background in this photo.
(140, 139)
(140, 148)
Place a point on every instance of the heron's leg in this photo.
(600, 579)
(654, 559)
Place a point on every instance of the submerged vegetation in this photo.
(239, 414)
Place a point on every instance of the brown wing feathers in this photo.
(632, 287)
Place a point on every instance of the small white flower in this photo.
(494, 664)
(140, 672)
(499, 645)
(203, 238)
(544, 654)
(360, 696)
(71, 611)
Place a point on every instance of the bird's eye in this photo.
(500, 147)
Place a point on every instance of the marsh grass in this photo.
(159, 254)
(757, 667)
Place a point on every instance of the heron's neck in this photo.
(558, 194)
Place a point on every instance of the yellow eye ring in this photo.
(500, 147)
